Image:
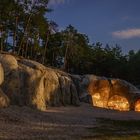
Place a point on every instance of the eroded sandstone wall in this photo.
(114, 94)
(32, 84)
(107, 92)
(28, 83)
(4, 100)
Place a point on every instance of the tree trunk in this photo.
(26, 48)
(26, 28)
(31, 50)
(69, 44)
(15, 35)
(1, 44)
(65, 58)
(45, 49)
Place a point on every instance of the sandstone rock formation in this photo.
(32, 84)
(107, 93)
(114, 94)
(4, 100)
(28, 83)
(82, 83)
(11, 83)
(1, 74)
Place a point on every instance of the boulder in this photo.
(42, 86)
(11, 84)
(82, 82)
(52, 91)
(69, 94)
(123, 95)
(1, 74)
(32, 84)
(31, 87)
(100, 91)
(29, 83)
(114, 94)
(4, 100)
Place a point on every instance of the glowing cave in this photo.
(118, 103)
(97, 101)
(137, 105)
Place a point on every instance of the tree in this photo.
(36, 22)
(54, 52)
(74, 43)
(52, 27)
(134, 67)
(7, 12)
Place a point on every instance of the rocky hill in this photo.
(28, 83)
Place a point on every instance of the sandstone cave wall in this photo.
(30, 83)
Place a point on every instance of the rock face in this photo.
(82, 83)
(4, 100)
(11, 83)
(107, 93)
(114, 94)
(1, 74)
(32, 84)
(28, 83)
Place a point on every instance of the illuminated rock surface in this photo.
(29, 83)
(114, 94)
(1, 74)
(4, 100)
(107, 93)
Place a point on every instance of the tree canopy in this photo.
(26, 31)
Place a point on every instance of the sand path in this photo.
(57, 123)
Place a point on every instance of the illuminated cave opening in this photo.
(118, 103)
(97, 100)
(137, 105)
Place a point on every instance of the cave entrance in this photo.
(118, 103)
(97, 100)
(137, 105)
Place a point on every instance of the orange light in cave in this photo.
(97, 101)
(118, 103)
(137, 105)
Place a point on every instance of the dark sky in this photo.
(107, 21)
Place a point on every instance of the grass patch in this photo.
(115, 130)
(112, 138)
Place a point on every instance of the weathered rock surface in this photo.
(32, 84)
(82, 83)
(114, 94)
(107, 93)
(11, 82)
(4, 100)
(1, 74)
(29, 83)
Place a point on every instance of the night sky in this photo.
(107, 21)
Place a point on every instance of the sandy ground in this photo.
(57, 123)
